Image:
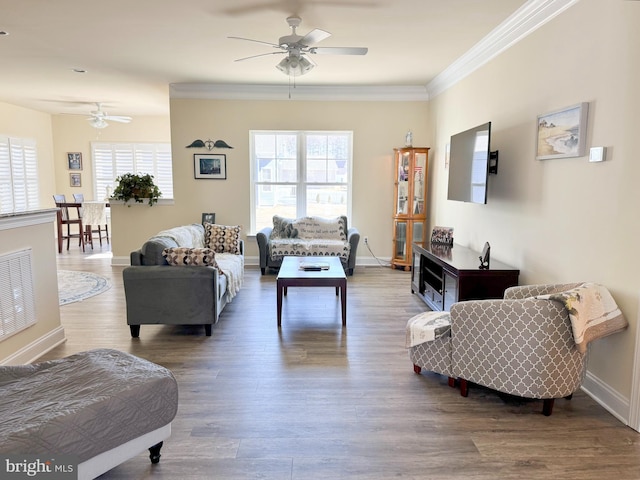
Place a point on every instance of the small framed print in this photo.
(208, 218)
(211, 166)
(75, 180)
(74, 160)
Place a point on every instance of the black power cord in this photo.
(380, 262)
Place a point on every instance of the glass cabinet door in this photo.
(419, 170)
(402, 202)
(401, 240)
(418, 232)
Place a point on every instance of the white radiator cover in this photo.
(17, 302)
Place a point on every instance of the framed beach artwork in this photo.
(563, 133)
(212, 166)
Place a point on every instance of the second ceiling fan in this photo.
(298, 48)
(98, 118)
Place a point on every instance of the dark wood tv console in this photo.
(442, 275)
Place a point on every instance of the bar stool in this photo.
(63, 218)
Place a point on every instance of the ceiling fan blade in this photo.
(256, 41)
(117, 118)
(313, 37)
(339, 50)
(259, 55)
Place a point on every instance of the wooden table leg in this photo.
(280, 289)
(343, 301)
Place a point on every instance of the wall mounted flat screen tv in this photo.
(469, 156)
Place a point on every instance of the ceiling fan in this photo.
(298, 48)
(98, 118)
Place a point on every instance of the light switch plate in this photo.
(596, 154)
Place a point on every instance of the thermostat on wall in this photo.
(597, 154)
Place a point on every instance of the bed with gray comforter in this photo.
(84, 404)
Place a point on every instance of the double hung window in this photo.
(299, 173)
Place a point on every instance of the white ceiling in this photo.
(132, 50)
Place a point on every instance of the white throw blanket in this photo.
(233, 268)
(190, 236)
(426, 327)
(593, 313)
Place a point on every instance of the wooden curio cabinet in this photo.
(409, 217)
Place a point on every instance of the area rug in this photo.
(76, 286)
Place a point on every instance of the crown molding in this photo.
(409, 93)
(528, 18)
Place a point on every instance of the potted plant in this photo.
(138, 187)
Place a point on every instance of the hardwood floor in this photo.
(314, 400)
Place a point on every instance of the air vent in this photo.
(17, 305)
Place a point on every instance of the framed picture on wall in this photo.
(563, 133)
(212, 166)
(74, 160)
(75, 180)
(208, 218)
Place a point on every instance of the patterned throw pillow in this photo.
(222, 238)
(196, 257)
(283, 228)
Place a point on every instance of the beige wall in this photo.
(378, 127)
(567, 219)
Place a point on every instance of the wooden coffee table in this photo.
(292, 275)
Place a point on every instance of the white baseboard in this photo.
(33, 351)
(611, 400)
(120, 261)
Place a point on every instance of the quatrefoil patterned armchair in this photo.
(519, 345)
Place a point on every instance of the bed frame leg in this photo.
(154, 453)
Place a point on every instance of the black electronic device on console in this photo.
(484, 258)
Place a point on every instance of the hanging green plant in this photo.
(136, 187)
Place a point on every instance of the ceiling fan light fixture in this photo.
(294, 66)
(98, 123)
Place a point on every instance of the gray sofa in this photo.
(157, 293)
(308, 236)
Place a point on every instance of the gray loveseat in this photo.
(308, 236)
(185, 294)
